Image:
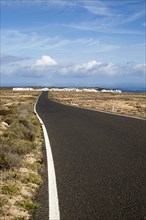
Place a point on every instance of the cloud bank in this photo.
(47, 71)
(48, 66)
(90, 68)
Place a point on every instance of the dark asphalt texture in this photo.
(99, 162)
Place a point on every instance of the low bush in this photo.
(10, 189)
(15, 143)
(33, 166)
(22, 147)
(32, 178)
(9, 160)
(27, 204)
(13, 159)
(20, 218)
(22, 129)
(3, 201)
(27, 124)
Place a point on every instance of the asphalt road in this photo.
(99, 162)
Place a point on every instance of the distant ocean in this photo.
(128, 89)
(134, 90)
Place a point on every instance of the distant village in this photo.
(68, 89)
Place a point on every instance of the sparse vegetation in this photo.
(27, 204)
(33, 166)
(32, 178)
(3, 201)
(124, 103)
(11, 189)
(20, 154)
(19, 218)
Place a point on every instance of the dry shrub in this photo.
(23, 147)
(26, 123)
(17, 141)
(20, 129)
(32, 178)
(11, 189)
(12, 151)
(9, 160)
(27, 204)
(9, 157)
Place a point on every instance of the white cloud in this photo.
(35, 44)
(109, 69)
(99, 68)
(114, 9)
(57, 3)
(104, 25)
(91, 68)
(111, 18)
(86, 74)
(90, 64)
(45, 61)
(86, 66)
(140, 67)
(97, 8)
(135, 16)
(51, 68)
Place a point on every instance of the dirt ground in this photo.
(133, 104)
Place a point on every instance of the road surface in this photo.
(99, 162)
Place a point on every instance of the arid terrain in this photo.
(20, 154)
(132, 104)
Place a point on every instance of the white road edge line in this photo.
(54, 213)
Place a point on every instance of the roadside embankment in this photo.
(21, 157)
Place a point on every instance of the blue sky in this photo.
(73, 43)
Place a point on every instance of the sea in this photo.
(133, 90)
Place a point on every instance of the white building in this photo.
(89, 90)
(111, 90)
(22, 89)
(72, 90)
(43, 89)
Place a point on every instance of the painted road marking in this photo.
(54, 213)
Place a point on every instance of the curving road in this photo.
(99, 162)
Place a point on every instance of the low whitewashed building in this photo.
(84, 90)
(64, 89)
(67, 89)
(22, 89)
(89, 90)
(111, 90)
(72, 90)
(118, 91)
(43, 89)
